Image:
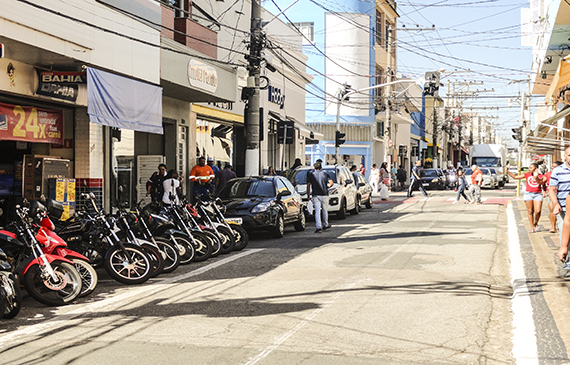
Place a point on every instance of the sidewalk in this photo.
(547, 284)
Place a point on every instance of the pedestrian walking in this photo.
(202, 176)
(558, 190)
(318, 182)
(374, 178)
(402, 176)
(476, 182)
(354, 175)
(172, 190)
(416, 182)
(154, 186)
(223, 176)
(533, 194)
(461, 187)
(553, 228)
(215, 169)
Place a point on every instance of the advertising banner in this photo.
(29, 124)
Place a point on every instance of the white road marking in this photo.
(279, 341)
(136, 292)
(524, 339)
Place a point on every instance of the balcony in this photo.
(189, 32)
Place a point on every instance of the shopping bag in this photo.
(383, 192)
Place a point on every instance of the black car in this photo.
(263, 203)
(432, 179)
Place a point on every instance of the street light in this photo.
(345, 95)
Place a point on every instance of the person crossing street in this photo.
(416, 180)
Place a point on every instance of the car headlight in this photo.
(261, 207)
(333, 191)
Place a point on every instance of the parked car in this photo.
(343, 195)
(498, 179)
(264, 203)
(364, 190)
(488, 180)
(432, 179)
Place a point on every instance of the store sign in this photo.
(60, 85)
(202, 76)
(276, 97)
(29, 124)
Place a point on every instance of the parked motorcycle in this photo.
(10, 294)
(213, 208)
(95, 236)
(169, 250)
(50, 279)
(53, 244)
(199, 215)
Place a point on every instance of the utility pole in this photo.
(254, 97)
(388, 95)
(434, 145)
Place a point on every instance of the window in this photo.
(379, 27)
(280, 185)
(308, 30)
(380, 129)
(388, 35)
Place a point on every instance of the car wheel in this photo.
(341, 214)
(357, 206)
(369, 201)
(301, 223)
(279, 228)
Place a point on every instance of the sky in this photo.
(473, 40)
(483, 36)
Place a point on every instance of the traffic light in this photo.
(431, 86)
(339, 138)
(517, 134)
(347, 89)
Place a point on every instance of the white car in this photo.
(342, 195)
(488, 180)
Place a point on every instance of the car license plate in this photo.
(235, 220)
(425, 184)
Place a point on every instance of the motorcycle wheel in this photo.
(227, 238)
(13, 300)
(185, 247)
(117, 265)
(44, 290)
(156, 259)
(214, 241)
(203, 246)
(88, 275)
(241, 237)
(172, 257)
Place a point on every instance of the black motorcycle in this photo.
(10, 293)
(94, 235)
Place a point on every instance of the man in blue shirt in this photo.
(319, 181)
(416, 180)
(558, 190)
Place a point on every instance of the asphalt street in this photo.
(412, 280)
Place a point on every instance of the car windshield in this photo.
(331, 173)
(468, 172)
(247, 189)
(486, 161)
(299, 177)
(428, 173)
(485, 171)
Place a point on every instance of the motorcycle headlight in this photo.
(261, 207)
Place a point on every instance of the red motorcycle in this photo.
(53, 244)
(50, 279)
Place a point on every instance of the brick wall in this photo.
(197, 33)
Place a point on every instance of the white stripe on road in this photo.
(524, 339)
(263, 354)
(135, 292)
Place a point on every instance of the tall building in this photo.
(350, 47)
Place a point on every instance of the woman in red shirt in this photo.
(533, 194)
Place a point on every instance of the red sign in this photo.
(29, 124)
